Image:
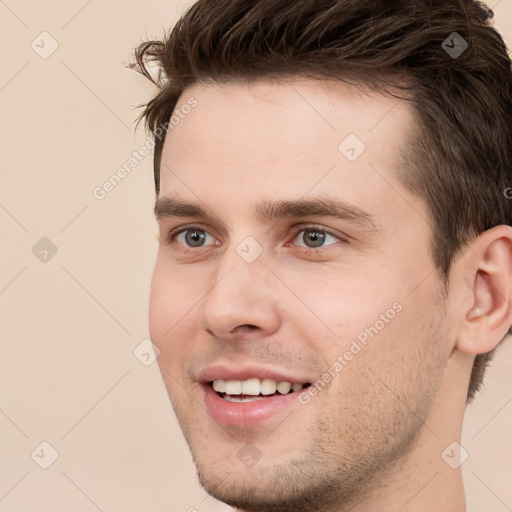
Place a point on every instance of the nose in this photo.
(242, 300)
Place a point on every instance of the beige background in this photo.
(68, 374)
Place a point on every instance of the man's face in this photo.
(294, 295)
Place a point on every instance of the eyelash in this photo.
(174, 233)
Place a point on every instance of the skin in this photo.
(373, 438)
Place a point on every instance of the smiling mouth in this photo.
(254, 389)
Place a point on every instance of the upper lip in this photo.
(224, 372)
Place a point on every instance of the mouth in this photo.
(254, 389)
(246, 395)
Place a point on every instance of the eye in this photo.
(192, 237)
(312, 237)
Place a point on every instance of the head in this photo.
(287, 112)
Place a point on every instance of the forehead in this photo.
(247, 139)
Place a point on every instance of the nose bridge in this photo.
(240, 293)
(243, 265)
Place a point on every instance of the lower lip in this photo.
(243, 414)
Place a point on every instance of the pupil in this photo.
(195, 238)
(316, 237)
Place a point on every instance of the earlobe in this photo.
(489, 272)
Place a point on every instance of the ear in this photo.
(487, 312)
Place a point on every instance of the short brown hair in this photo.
(460, 157)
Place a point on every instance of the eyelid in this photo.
(311, 227)
(171, 236)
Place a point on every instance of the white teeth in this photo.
(251, 387)
(254, 387)
(233, 387)
(284, 387)
(268, 386)
(219, 385)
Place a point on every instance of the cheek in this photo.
(172, 314)
(171, 330)
(336, 309)
(362, 329)
(385, 392)
(173, 293)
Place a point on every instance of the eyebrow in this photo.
(167, 207)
